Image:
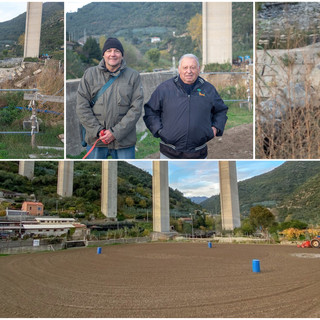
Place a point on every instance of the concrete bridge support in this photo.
(160, 197)
(216, 32)
(229, 197)
(109, 189)
(65, 178)
(33, 30)
(26, 169)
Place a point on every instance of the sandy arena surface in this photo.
(162, 280)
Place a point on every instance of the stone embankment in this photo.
(279, 22)
(288, 70)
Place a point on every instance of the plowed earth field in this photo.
(162, 280)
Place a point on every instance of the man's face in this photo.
(189, 70)
(112, 58)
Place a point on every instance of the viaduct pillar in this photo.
(216, 32)
(109, 189)
(229, 197)
(33, 30)
(160, 197)
(26, 169)
(65, 178)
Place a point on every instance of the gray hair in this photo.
(189, 55)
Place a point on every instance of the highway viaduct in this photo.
(229, 198)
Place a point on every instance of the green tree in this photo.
(261, 218)
(75, 66)
(195, 30)
(129, 201)
(246, 227)
(210, 222)
(91, 50)
(153, 55)
(143, 203)
(102, 40)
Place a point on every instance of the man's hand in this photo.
(106, 135)
(215, 131)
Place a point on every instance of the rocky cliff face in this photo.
(288, 25)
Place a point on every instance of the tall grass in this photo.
(290, 129)
(18, 146)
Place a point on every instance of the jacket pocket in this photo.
(124, 95)
(164, 138)
(122, 110)
(210, 134)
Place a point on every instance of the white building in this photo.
(155, 39)
(46, 229)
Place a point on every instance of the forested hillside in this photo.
(131, 19)
(292, 188)
(134, 189)
(52, 30)
(178, 25)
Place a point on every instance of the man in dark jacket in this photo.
(114, 115)
(185, 112)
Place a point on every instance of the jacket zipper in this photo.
(189, 97)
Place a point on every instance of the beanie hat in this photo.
(112, 43)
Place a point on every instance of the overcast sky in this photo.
(73, 6)
(201, 178)
(10, 10)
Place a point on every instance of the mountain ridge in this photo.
(276, 189)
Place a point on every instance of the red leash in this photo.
(94, 145)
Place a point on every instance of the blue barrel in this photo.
(209, 245)
(99, 249)
(255, 265)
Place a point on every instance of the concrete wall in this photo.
(150, 81)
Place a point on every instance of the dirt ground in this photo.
(176, 280)
(236, 143)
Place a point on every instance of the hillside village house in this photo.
(33, 208)
(155, 39)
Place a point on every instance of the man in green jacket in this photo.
(114, 115)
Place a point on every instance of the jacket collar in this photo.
(199, 82)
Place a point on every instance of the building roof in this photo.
(46, 226)
(54, 219)
(79, 225)
(34, 203)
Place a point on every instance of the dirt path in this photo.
(236, 143)
(162, 280)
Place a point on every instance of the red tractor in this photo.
(315, 242)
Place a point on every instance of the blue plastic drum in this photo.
(255, 265)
